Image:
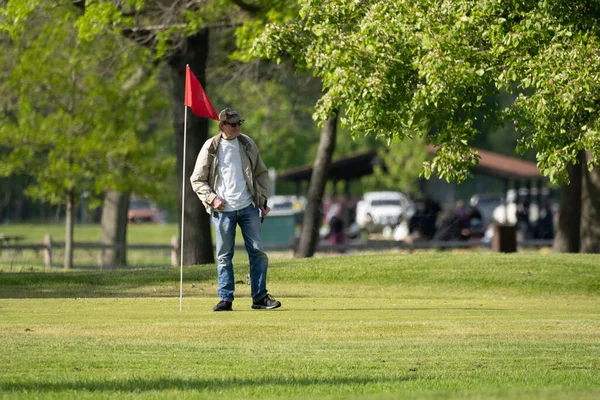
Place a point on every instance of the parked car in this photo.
(282, 204)
(141, 211)
(486, 203)
(383, 209)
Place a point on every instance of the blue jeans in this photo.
(225, 226)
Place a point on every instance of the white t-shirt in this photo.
(231, 184)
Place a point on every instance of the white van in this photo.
(383, 209)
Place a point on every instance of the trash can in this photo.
(505, 238)
(281, 229)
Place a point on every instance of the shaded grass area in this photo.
(430, 326)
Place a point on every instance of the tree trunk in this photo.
(20, 207)
(197, 239)
(318, 179)
(567, 238)
(69, 230)
(590, 207)
(114, 229)
(5, 203)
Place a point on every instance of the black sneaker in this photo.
(223, 306)
(266, 303)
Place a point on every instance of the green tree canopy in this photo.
(429, 68)
(81, 112)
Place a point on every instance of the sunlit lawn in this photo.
(389, 326)
(136, 233)
(27, 260)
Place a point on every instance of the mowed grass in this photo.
(387, 326)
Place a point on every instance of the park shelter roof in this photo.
(360, 164)
(501, 166)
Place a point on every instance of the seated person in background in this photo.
(544, 226)
(476, 228)
(449, 228)
(336, 224)
(462, 219)
(423, 222)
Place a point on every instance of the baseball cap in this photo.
(229, 115)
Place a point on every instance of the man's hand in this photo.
(218, 204)
(264, 211)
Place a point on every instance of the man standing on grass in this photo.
(232, 182)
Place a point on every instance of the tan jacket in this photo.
(204, 177)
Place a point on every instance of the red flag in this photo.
(196, 98)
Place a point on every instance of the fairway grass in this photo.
(427, 326)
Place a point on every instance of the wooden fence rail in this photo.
(48, 246)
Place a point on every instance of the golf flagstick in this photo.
(182, 212)
(196, 99)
